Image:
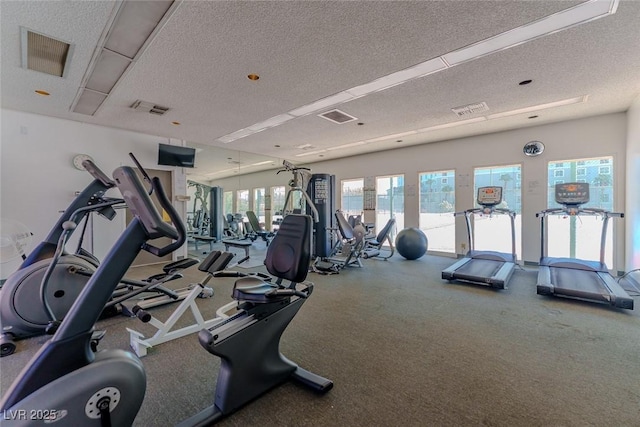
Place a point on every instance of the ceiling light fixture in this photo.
(570, 101)
(42, 92)
(421, 70)
(175, 123)
(310, 153)
(525, 82)
(132, 28)
(576, 15)
(253, 77)
(573, 16)
(321, 104)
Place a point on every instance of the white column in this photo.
(632, 205)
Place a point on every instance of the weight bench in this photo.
(240, 244)
(209, 239)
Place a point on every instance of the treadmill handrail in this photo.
(467, 214)
(577, 212)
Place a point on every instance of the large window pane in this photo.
(390, 202)
(579, 237)
(242, 202)
(352, 196)
(228, 202)
(494, 232)
(437, 204)
(258, 203)
(278, 194)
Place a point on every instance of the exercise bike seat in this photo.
(256, 290)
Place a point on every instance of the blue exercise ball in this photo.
(411, 243)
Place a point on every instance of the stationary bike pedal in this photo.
(207, 292)
(52, 327)
(96, 337)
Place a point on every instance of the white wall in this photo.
(592, 137)
(632, 210)
(39, 181)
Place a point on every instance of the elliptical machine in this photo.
(107, 388)
(41, 292)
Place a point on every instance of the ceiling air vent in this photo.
(149, 107)
(45, 54)
(468, 110)
(337, 116)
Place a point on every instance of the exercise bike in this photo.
(39, 293)
(108, 387)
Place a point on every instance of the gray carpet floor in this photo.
(405, 348)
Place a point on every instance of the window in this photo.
(352, 196)
(258, 204)
(227, 201)
(242, 202)
(436, 210)
(278, 194)
(390, 201)
(559, 181)
(559, 173)
(579, 237)
(494, 232)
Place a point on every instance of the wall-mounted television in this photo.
(174, 155)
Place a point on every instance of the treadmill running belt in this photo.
(477, 269)
(582, 281)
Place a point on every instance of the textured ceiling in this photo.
(304, 51)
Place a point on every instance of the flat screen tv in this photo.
(174, 155)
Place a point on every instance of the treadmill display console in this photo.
(489, 196)
(572, 193)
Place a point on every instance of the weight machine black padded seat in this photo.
(352, 238)
(372, 247)
(257, 230)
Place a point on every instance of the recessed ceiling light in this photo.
(533, 117)
(360, 123)
(399, 140)
(525, 82)
(253, 77)
(42, 92)
(277, 146)
(175, 123)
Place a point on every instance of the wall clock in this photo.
(79, 158)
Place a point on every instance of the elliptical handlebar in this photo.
(97, 173)
(142, 207)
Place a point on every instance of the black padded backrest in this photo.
(253, 221)
(345, 229)
(385, 230)
(289, 254)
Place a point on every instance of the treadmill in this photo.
(489, 268)
(572, 277)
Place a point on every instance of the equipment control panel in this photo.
(572, 193)
(489, 196)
